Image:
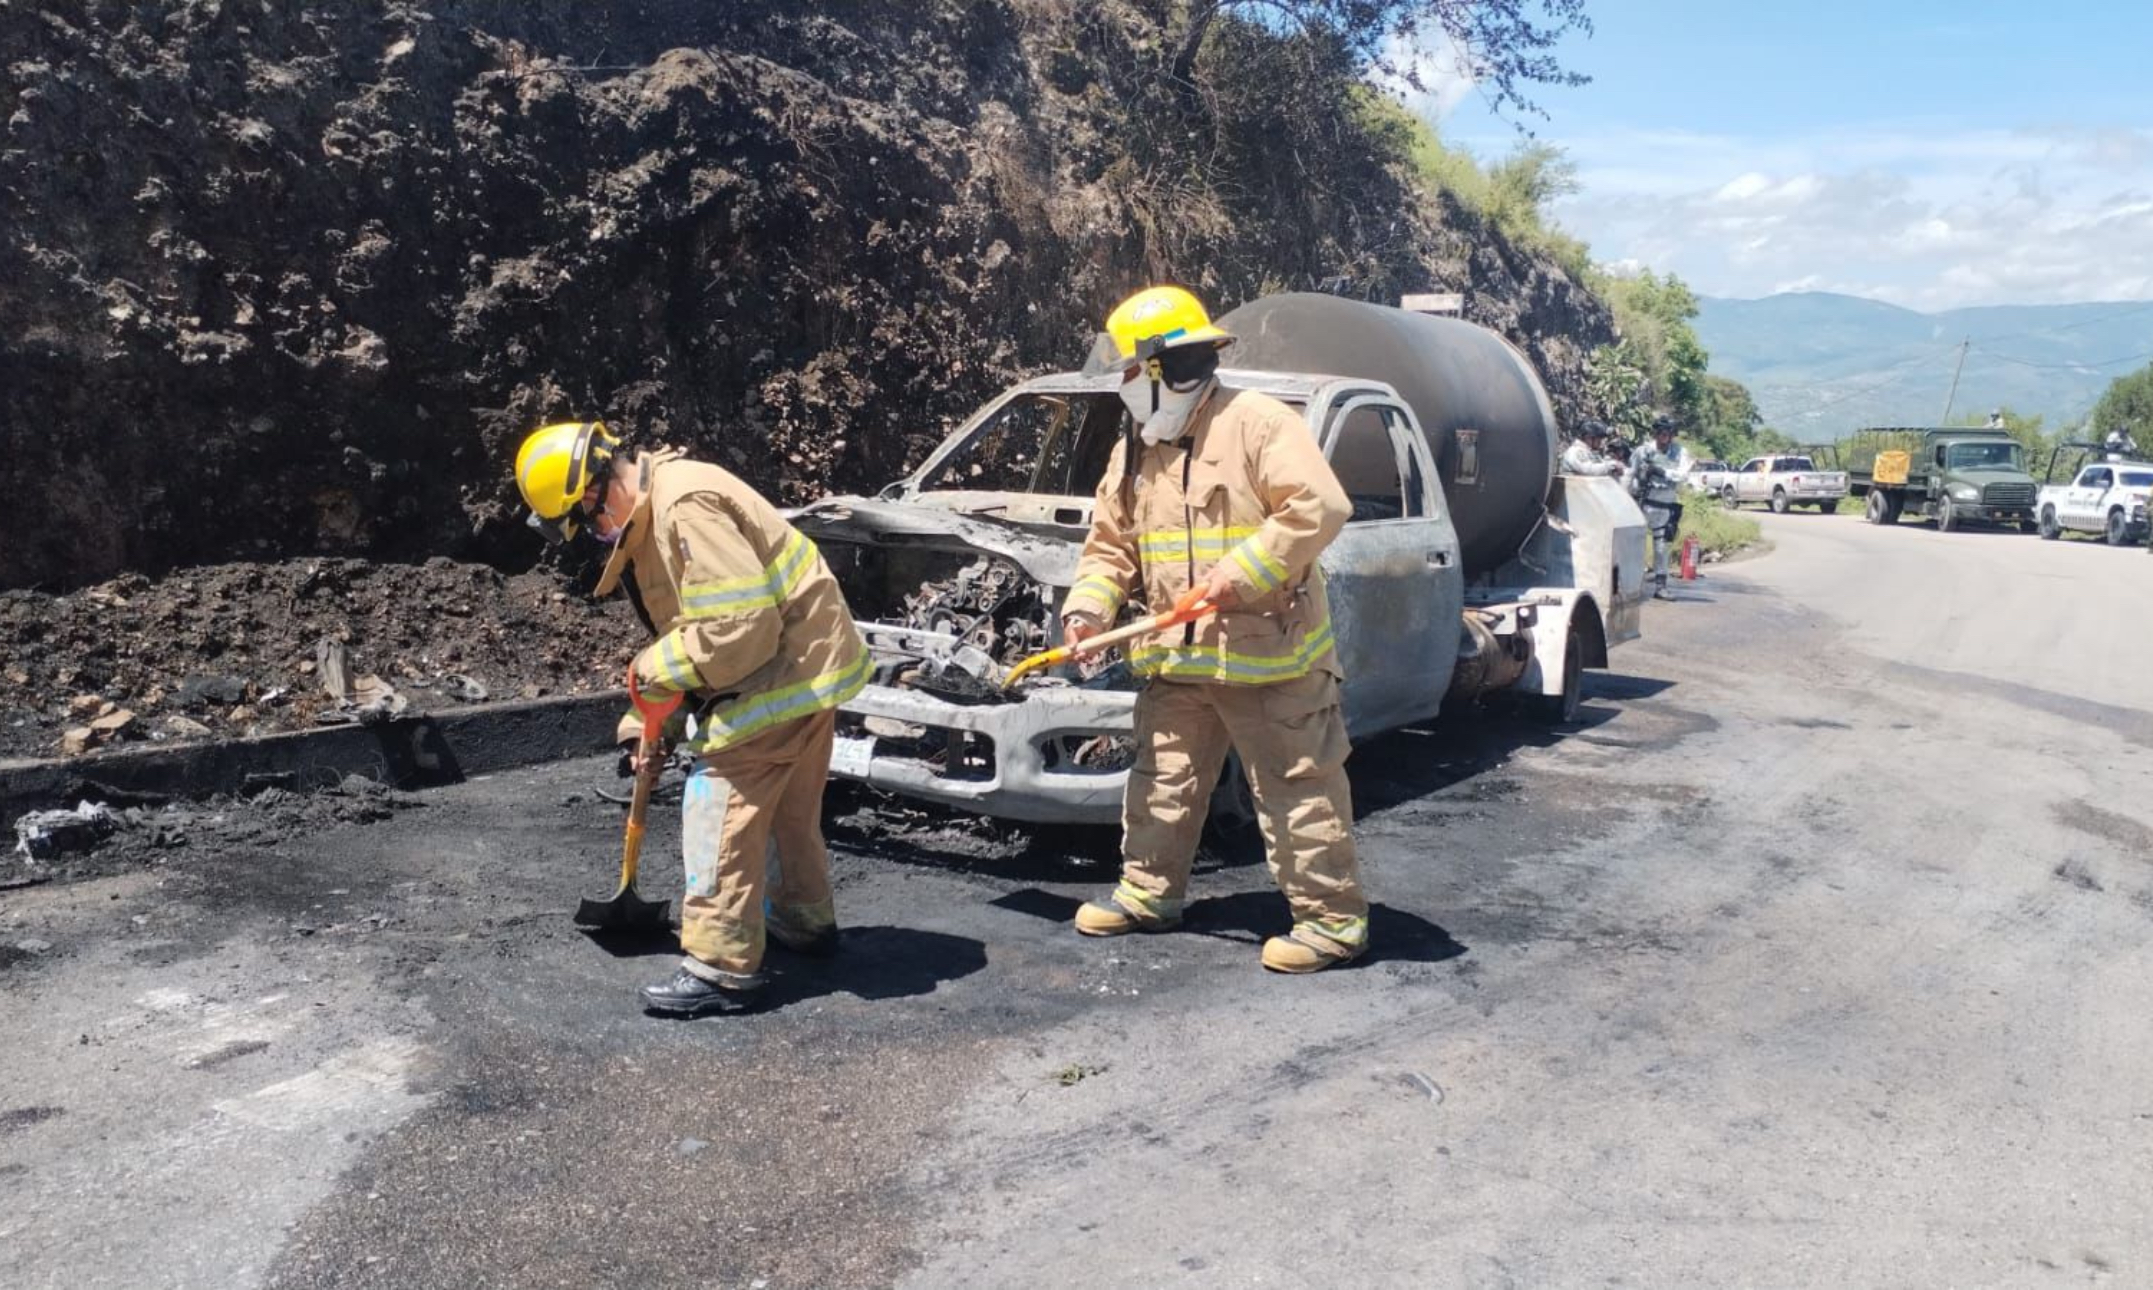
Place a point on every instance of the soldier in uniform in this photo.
(1658, 465)
(1586, 454)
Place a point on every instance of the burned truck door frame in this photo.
(1395, 585)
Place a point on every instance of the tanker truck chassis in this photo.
(958, 571)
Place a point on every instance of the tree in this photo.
(1729, 405)
(1521, 185)
(1652, 313)
(1614, 390)
(1505, 46)
(2126, 405)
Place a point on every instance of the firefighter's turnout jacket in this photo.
(1246, 484)
(749, 618)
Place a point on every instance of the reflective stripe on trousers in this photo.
(751, 829)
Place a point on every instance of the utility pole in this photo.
(1955, 381)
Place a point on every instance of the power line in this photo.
(2131, 312)
(1819, 406)
(2065, 367)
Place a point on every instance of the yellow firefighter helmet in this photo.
(553, 468)
(1158, 319)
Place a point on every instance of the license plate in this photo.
(851, 757)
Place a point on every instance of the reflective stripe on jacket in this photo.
(747, 613)
(1247, 486)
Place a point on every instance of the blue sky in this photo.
(1933, 155)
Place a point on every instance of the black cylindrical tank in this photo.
(1479, 402)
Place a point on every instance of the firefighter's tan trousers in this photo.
(1292, 738)
(751, 827)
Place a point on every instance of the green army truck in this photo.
(1954, 475)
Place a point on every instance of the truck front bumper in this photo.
(1059, 755)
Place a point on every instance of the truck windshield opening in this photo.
(1974, 456)
(1054, 444)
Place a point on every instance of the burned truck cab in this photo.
(1464, 569)
(957, 572)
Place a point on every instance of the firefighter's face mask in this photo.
(598, 506)
(1161, 391)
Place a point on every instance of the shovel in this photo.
(626, 910)
(1190, 607)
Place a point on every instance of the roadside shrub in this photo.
(1715, 527)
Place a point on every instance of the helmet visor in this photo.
(556, 531)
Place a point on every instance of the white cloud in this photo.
(1929, 218)
(1439, 65)
(1742, 187)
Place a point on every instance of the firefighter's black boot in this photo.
(693, 994)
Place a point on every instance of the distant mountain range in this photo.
(1821, 365)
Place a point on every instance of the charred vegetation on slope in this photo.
(283, 281)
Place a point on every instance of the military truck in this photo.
(1953, 474)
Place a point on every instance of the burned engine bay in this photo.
(947, 604)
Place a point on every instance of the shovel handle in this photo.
(1188, 607)
(653, 711)
(648, 768)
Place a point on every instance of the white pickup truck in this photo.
(1783, 483)
(2108, 498)
(1707, 476)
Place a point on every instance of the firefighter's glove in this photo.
(1078, 628)
(676, 730)
(1219, 585)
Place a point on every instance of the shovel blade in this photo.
(625, 911)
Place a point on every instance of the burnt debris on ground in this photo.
(96, 838)
(235, 649)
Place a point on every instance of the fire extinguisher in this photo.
(1689, 558)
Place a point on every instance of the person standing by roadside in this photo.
(1223, 490)
(751, 625)
(1659, 465)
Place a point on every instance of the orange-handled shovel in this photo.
(1190, 607)
(626, 910)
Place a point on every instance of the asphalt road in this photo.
(1817, 953)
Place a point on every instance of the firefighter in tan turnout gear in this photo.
(751, 624)
(1225, 490)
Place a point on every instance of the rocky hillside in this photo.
(283, 280)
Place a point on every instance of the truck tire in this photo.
(1779, 501)
(1878, 509)
(1561, 709)
(1947, 516)
(1726, 496)
(2050, 530)
(2118, 531)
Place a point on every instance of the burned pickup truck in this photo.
(1467, 569)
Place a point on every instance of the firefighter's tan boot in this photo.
(1313, 946)
(1126, 910)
